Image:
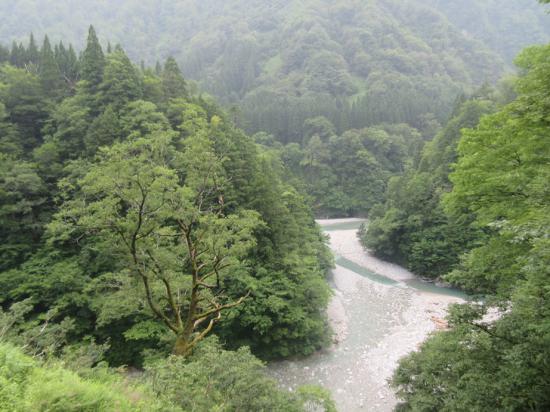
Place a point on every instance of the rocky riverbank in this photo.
(375, 324)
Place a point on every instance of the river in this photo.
(379, 313)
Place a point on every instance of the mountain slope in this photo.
(357, 63)
(505, 26)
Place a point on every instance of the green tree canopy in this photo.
(92, 62)
(50, 75)
(501, 178)
(172, 80)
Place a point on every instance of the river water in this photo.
(379, 313)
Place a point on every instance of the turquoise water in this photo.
(424, 286)
(360, 270)
(417, 284)
(342, 226)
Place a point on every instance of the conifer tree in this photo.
(32, 55)
(93, 62)
(121, 83)
(22, 55)
(15, 55)
(50, 76)
(172, 80)
(72, 65)
(60, 53)
(68, 63)
(4, 54)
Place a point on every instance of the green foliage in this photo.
(486, 21)
(42, 277)
(27, 385)
(103, 131)
(121, 83)
(92, 62)
(33, 54)
(92, 152)
(24, 103)
(173, 83)
(346, 175)
(479, 366)
(22, 210)
(508, 157)
(315, 398)
(288, 279)
(163, 228)
(411, 227)
(65, 131)
(50, 75)
(68, 64)
(10, 140)
(501, 178)
(357, 63)
(214, 379)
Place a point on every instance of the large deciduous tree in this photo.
(162, 213)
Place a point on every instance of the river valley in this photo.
(379, 312)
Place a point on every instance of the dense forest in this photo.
(157, 247)
(347, 174)
(411, 226)
(498, 195)
(358, 63)
(136, 220)
(475, 211)
(288, 68)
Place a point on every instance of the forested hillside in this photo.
(505, 26)
(347, 174)
(136, 221)
(474, 212)
(411, 227)
(498, 195)
(157, 246)
(357, 63)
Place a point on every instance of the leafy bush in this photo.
(214, 379)
(26, 385)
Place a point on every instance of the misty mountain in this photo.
(358, 63)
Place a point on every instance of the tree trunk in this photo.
(182, 347)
